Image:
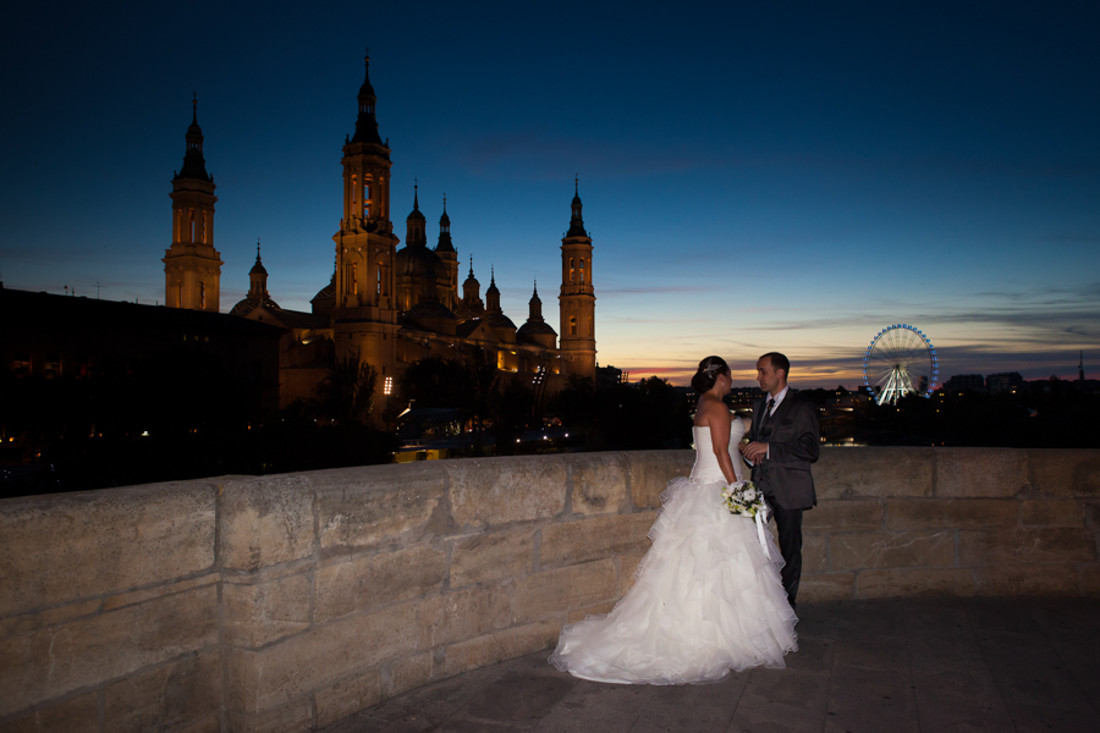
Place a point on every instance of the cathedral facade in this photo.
(387, 305)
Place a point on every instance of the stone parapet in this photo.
(288, 602)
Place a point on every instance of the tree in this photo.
(347, 393)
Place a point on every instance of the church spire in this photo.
(366, 125)
(445, 244)
(257, 276)
(534, 306)
(416, 231)
(576, 223)
(194, 166)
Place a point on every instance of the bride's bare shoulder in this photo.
(710, 410)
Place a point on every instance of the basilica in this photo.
(385, 305)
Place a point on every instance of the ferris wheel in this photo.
(900, 360)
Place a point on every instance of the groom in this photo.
(784, 440)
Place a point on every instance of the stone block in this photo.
(1027, 580)
(407, 673)
(1026, 545)
(167, 697)
(981, 472)
(65, 547)
(348, 696)
(1088, 579)
(259, 613)
(464, 613)
(34, 620)
(627, 569)
(365, 583)
(844, 473)
(554, 591)
(858, 550)
(490, 556)
(296, 715)
(500, 645)
(599, 483)
(827, 587)
(380, 506)
(78, 714)
(845, 514)
(1053, 513)
(651, 471)
(143, 595)
(593, 538)
(579, 614)
(54, 661)
(907, 582)
(1064, 472)
(906, 514)
(493, 491)
(265, 521)
(1092, 515)
(815, 552)
(262, 679)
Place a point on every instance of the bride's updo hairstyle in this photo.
(708, 372)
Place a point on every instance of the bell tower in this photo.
(365, 308)
(577, 302)
(192, 267)
(445, 250)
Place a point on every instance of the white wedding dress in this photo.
(706, 598)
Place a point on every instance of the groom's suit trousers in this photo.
(788, 523)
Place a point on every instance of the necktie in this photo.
(767, 413)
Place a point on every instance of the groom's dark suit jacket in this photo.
(793, 436)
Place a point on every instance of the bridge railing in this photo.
(288, 602)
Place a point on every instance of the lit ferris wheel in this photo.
(901, 360)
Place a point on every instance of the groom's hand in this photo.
(755, 451)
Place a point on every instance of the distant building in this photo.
(126, 366)
(1004, 382)
(608, 376)
(965, 383)
(386, 306)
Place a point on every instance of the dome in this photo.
(496, 319)
(417, 261)
(536, 328)
(247, 305)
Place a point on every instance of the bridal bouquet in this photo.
(742, 497)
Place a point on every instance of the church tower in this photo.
(364, 305)
(445, 250)
(192, 267)
(577, 301)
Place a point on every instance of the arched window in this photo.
(572, 325)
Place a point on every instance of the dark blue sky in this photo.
(754, 175)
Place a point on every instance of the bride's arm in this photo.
(738, 428)
(719, 423)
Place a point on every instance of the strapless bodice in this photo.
(706, 466)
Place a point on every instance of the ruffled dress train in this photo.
(706, 599)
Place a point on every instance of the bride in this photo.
(707, 597)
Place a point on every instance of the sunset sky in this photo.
(755, 176)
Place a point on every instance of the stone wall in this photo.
(286, 603)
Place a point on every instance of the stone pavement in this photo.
(958, 664)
